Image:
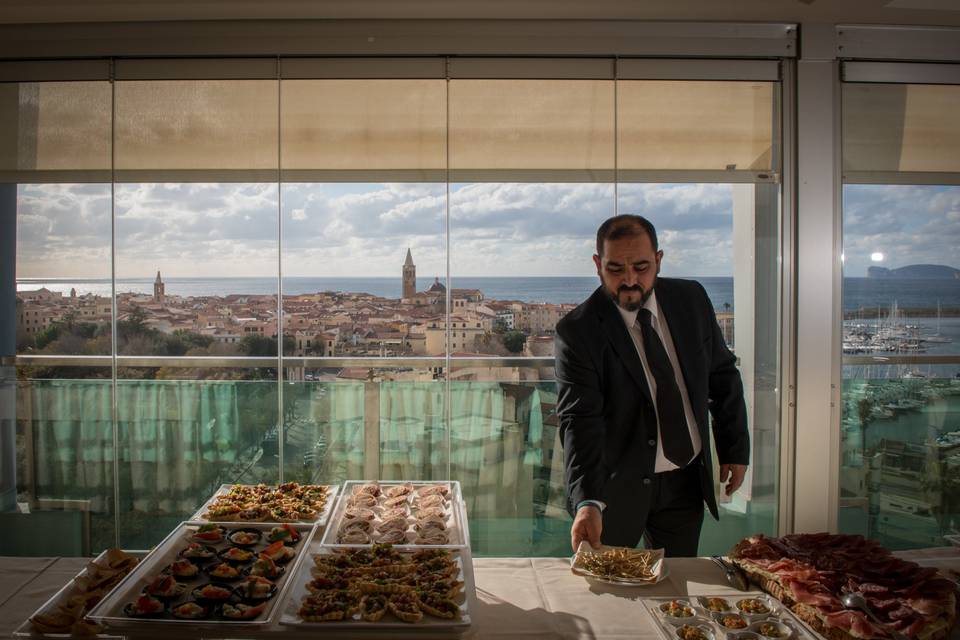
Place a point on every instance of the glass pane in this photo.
(899, 470)
(55, 126)
(196, 267)
(518, 261)
(740, 273)
(63, 269)
(413, 433)
(506, 453)
(504, 430)
(352, 253)
(695, 125)
(324, 428)
(364, 125)
(536, 125)
(901, 127)
(351, 258)
(65, 461)
(196, 124)
(183, 433)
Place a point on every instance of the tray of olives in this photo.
(743, 616)
(224, 575)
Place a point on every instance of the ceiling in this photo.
(905, 12)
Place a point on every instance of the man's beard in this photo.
(631, 305)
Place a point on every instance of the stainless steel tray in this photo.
(705, 619)
(110, 610)
(428, 624)
(25, 630)
(332, 491)
(459, 536)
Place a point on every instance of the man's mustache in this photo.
(636, 287)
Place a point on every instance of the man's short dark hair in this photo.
(624, 226)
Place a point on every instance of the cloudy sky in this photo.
(339, 230)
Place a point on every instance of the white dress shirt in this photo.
(659, 324)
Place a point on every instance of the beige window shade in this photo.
(694, 125)
(901, 127)
(55, 132)
(366, 130)
(196, 130)
(558, 130)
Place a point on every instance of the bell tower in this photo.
(409, 276)
(158, 289)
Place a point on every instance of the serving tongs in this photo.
(736, 577)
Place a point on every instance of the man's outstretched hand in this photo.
(587, 525)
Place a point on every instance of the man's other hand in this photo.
(587, 525)
(733, 475)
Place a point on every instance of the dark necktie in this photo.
(674, 433)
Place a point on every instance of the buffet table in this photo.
(516, 597)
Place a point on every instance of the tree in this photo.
(134, 324)
(255, 345)
(181, 342)
(514, 341)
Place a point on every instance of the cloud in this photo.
(909, 224)
(63, 229)
(496, 229)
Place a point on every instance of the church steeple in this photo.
(158, 289)
(409, 276)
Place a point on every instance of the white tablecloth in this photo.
(524, 598)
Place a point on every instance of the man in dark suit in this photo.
(638, 366)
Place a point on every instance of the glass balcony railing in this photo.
(900, 451)
(176, 440)
(124, 462)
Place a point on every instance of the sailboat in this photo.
(941, 339)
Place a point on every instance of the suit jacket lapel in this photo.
(615, 330)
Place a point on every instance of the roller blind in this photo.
(561, 130)
(55, 132)
(694, 125)
(197, 130)
(901, 127)
(364, 130)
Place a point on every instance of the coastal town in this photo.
(321, 324)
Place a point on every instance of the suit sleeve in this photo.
(580, 415)
(725, 393)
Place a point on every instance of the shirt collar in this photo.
(630, 317)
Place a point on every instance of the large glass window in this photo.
(56, 145)
(900, 447)
(325, 278)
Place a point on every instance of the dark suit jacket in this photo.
(607, 419)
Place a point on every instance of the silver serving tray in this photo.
(459, 536)
(26, 630)
(110, 610)
(779, 613)
(332, 491)
(428, 624)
